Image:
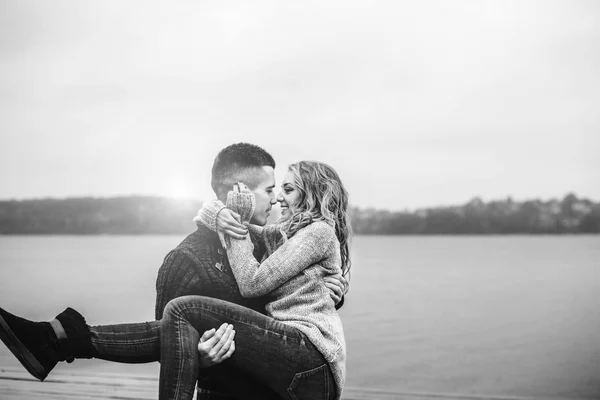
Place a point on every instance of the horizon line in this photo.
(194, 199)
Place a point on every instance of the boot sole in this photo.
(20, 351)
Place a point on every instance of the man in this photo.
(198, 266)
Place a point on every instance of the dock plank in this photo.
(19, 385)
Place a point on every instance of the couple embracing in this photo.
(244, 309)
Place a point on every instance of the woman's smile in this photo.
(288, 196)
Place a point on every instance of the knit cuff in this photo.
(207, 215)
(242, 202)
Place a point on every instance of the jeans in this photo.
(140, 342)
(267, 351)
(127, 343)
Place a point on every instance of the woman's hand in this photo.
(241, 188)
(241, 200)
(216, 346)
(229, 223)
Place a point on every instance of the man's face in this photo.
(265, 196)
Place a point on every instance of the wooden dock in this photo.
(19, 385)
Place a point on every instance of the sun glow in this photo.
(178, 190)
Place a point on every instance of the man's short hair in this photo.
(238, 163)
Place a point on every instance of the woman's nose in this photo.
(280, 197)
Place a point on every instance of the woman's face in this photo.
(288, 197)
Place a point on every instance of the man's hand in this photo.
(216, 346)
(229, 223)
(338, 286)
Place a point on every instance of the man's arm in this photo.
(177, 277)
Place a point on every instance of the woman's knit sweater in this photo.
(291, 276)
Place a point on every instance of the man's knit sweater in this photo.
(291, 277)
(191, 269)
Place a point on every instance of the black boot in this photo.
(36, 346)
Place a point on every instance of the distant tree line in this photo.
(158, 215)
(120, 215)
(569, 215)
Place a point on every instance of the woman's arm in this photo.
(307, 247)
(207, 215)
(225, 222)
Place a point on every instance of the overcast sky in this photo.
(415, 103)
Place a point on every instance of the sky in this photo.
(414, 103)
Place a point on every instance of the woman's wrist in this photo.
(208, 214)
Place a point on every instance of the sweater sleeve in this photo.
(207, 215)
(177, 277)
(307, 247)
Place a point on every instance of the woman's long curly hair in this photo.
(322, 198)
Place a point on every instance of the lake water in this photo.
(499, 315)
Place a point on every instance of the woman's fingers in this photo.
(228, 223)
(235, 229)
(232, 232)
(221, 236)
(237, 217)
(235, 233)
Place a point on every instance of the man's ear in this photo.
(222, 193)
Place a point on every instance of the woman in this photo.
(298, 348)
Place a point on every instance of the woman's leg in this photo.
(126, 343)
(235, 383)
(39, 346)
(268, 351)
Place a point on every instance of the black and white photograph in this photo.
(298, 200)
